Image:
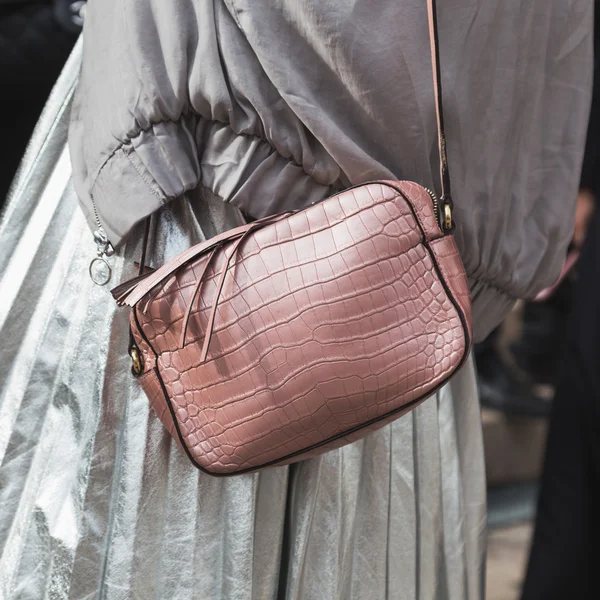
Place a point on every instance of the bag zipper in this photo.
(446, 224)
(436, 204)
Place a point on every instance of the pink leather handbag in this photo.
(304, 331)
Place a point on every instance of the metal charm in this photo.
(100, 271)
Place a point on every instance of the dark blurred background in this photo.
(36, 38)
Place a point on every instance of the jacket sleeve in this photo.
(133, 135)
(172, 95)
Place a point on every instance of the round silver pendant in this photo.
(100, 271)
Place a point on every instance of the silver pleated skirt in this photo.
(96, 501)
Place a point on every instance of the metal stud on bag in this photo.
(137, 365)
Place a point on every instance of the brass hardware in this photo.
(137, 366)
(448, 225)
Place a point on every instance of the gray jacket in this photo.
(272, 104)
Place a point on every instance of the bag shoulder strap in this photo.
(437, 88)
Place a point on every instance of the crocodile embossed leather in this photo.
(304, 331)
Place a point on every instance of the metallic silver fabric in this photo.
(96, 501)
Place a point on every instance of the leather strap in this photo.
(437, 89)
(147, 224)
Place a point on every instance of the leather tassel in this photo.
(120, 292)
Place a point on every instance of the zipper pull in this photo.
(99, 269)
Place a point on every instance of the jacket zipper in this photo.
(99, 269)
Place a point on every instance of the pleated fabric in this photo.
(96, 501)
